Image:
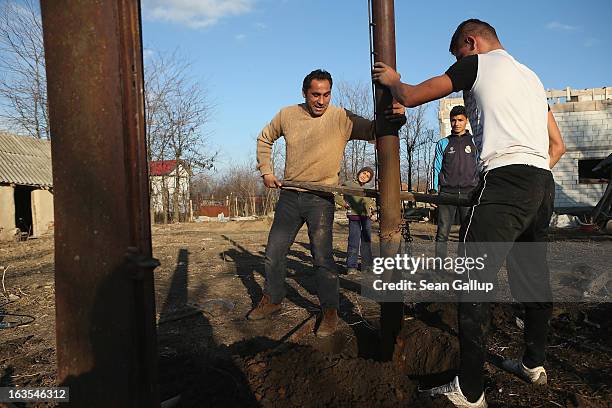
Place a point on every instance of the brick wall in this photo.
(586, 128)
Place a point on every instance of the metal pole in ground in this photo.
(387, 146)
(105, 307)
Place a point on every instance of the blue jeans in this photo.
(360, 238)
(293, 209)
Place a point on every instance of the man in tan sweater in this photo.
(315, 134)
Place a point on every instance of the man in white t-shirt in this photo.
(519, 144)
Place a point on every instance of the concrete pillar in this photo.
(42, 211)
(7, 213)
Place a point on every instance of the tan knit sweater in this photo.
(314, 146)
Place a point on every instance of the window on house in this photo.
(586, 175)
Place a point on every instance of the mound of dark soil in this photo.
(302, 376)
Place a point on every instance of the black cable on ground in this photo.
(11, 325)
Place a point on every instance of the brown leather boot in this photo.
(264, 309)
(329, 323)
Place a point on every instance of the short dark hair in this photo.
(319, 74)
(472, 26)
(458, 110)
(366, 169)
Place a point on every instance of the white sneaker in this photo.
(535, 375)
(453, 392)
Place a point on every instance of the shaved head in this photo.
(473, 27)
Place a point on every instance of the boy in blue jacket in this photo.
(455, 175)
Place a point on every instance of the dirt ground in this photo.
(211, 275)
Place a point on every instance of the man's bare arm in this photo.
(430, 90)
(412, 95)
(556, 146)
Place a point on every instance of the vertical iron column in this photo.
(105, 305)
(387, 146)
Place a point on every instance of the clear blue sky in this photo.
(252, 55)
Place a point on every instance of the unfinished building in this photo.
(26, 186)
(584, 117)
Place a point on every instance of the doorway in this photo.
(23, 209)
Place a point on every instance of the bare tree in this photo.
(178, 110)
(239, 188)
(23, 82)
(187, 113)
(417, 138)
(160, 73)
(424, 160)
(356, 97)
(242, 185)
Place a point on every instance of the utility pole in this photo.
(387, 147)
(104, 296)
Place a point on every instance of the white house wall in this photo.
(169, 181)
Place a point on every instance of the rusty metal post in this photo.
(387, 146)
(105, 307)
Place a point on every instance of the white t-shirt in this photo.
(507, 108)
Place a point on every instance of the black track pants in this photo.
(509, 222)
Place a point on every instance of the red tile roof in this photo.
(162, 167)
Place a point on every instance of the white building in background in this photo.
(26, 187)
(584, 117)
(166, 177)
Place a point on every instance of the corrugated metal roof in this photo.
(25, 160)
